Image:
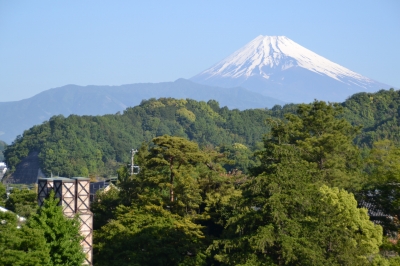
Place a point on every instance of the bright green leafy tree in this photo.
(61, 233)
(21, 245)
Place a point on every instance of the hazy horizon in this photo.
(51, 44)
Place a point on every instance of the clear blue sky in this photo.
(47, 44)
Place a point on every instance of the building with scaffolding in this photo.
(74, 195)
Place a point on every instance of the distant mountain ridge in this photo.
(256, 76)
(90, 144)
(278, 67)
(99, 100)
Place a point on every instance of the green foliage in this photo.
(288, 214)
(61, 234)
(172, 229)
(377, 113)
(22, 201)
(104, 206)
(382, 189)
(47, 238)
(149, 236)
(3, 195)
(324, 141)
(240, 157)
(381, 261)
(83, 145)
(21, 245)
(293, 210)
(193, 202)
(172, 161)
(288, 218)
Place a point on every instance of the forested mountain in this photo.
(299, 203)
(83, 145)
(100, 100)
(377, 113)
(79, 145)
(297, 207)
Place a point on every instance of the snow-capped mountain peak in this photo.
(268, 62)
(276, 52)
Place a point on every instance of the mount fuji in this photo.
(277, 67)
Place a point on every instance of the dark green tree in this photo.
(218, 191)
(149, 236)
(287, 217)
(171, 166)
(288, 214)
(382, 190)
(323, 140)
(105, 205)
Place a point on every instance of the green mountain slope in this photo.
(83, 145)
(80, 145)
(378, 114)
(100, 100)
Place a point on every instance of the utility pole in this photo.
(133, 151)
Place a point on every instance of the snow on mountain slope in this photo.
(278, 67)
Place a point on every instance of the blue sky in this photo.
(48, 44)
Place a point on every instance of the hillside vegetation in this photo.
(377, 113)
(298, 206)
(84, 145)
(298, 202)
(100, 100)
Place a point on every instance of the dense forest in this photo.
(83, 145)
(299, 205)
(97, 145)
(226, 187)
(377, 113)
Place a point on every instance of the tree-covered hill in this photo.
(100, 100)
(298, 206)
(378, 114)
(83, 145)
